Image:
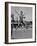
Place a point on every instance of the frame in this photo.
(17, 28)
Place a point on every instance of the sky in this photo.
(27, 12)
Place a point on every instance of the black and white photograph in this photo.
(21, 22)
